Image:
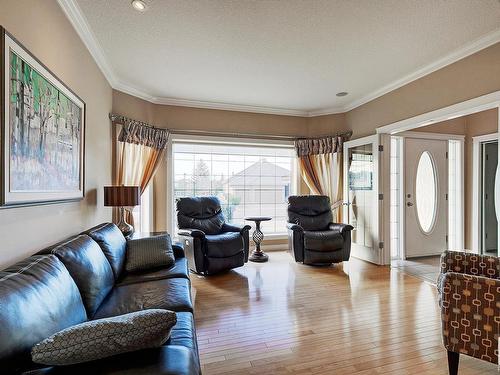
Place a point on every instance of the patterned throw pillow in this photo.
(147, 253)
(102, 338)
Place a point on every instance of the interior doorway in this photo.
(489, 222)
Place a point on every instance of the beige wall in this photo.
(43, 28)
(480, 123)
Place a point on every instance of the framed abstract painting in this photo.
(42, 131)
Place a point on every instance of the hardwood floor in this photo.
(425, 268)
(286, 318)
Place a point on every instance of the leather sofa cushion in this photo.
(38, 297)
(90, 269)
(224, 245)
(165, 360)
(325, 240)
(202, 213)
(112, 243)
(311, 212)
(179, 269)
(169, 294)
(183, 333)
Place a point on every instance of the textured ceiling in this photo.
(289, 54)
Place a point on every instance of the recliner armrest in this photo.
(294, 227)
(191, 233)
(339, 227)
(233, 228)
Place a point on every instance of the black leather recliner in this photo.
(312, 236)
(211, 244)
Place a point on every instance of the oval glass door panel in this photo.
(425, 192)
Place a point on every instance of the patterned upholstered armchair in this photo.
(469, 297)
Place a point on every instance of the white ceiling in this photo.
(289, 56)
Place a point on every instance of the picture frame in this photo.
(42, 131)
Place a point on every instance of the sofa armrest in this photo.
(470, 264)
(233, 228)
(294, 227)
(469, 309)
(339, 227)
(195, 233)
(178, 249)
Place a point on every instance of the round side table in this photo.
(258, 255)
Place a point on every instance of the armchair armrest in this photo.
(339, 227)
(470, 264)
(233, 228)
(469, 308)
(191, 233)
(294, 227)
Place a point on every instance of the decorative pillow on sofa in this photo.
(151, 252)
(102, 338)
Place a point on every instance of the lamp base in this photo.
(122, 224)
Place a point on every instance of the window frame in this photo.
(222, 140)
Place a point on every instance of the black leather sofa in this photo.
(312, 236)
(211, 244)
(83, 278)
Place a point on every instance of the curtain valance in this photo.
(320, 146)
(140, 133)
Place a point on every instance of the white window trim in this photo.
(476, 191)
(170, 209)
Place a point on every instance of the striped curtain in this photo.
(141, 148)
(321, 168)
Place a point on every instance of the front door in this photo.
(426, 196)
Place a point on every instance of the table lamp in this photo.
(123, 196)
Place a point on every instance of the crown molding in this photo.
(80, 24)
(127, 89)
(75, 15)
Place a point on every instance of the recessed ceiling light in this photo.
(139, 5)
(342, 93)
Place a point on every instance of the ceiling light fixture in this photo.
(139, 5)
(342, 93)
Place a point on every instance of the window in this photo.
(249, 180)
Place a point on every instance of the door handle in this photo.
(409, 204)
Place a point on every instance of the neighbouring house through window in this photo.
(249, 179)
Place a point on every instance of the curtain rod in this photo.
(118, 119)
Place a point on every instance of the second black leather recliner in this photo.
(211, 244)
(312, 236)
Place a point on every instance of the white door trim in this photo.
(428, 135)
(476, 191)
(481, 103)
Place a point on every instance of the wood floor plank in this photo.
(354, 318)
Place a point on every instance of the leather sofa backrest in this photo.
(90, 269)
(38, 298)
(113, 244)
(202, 213)
(311, 212)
